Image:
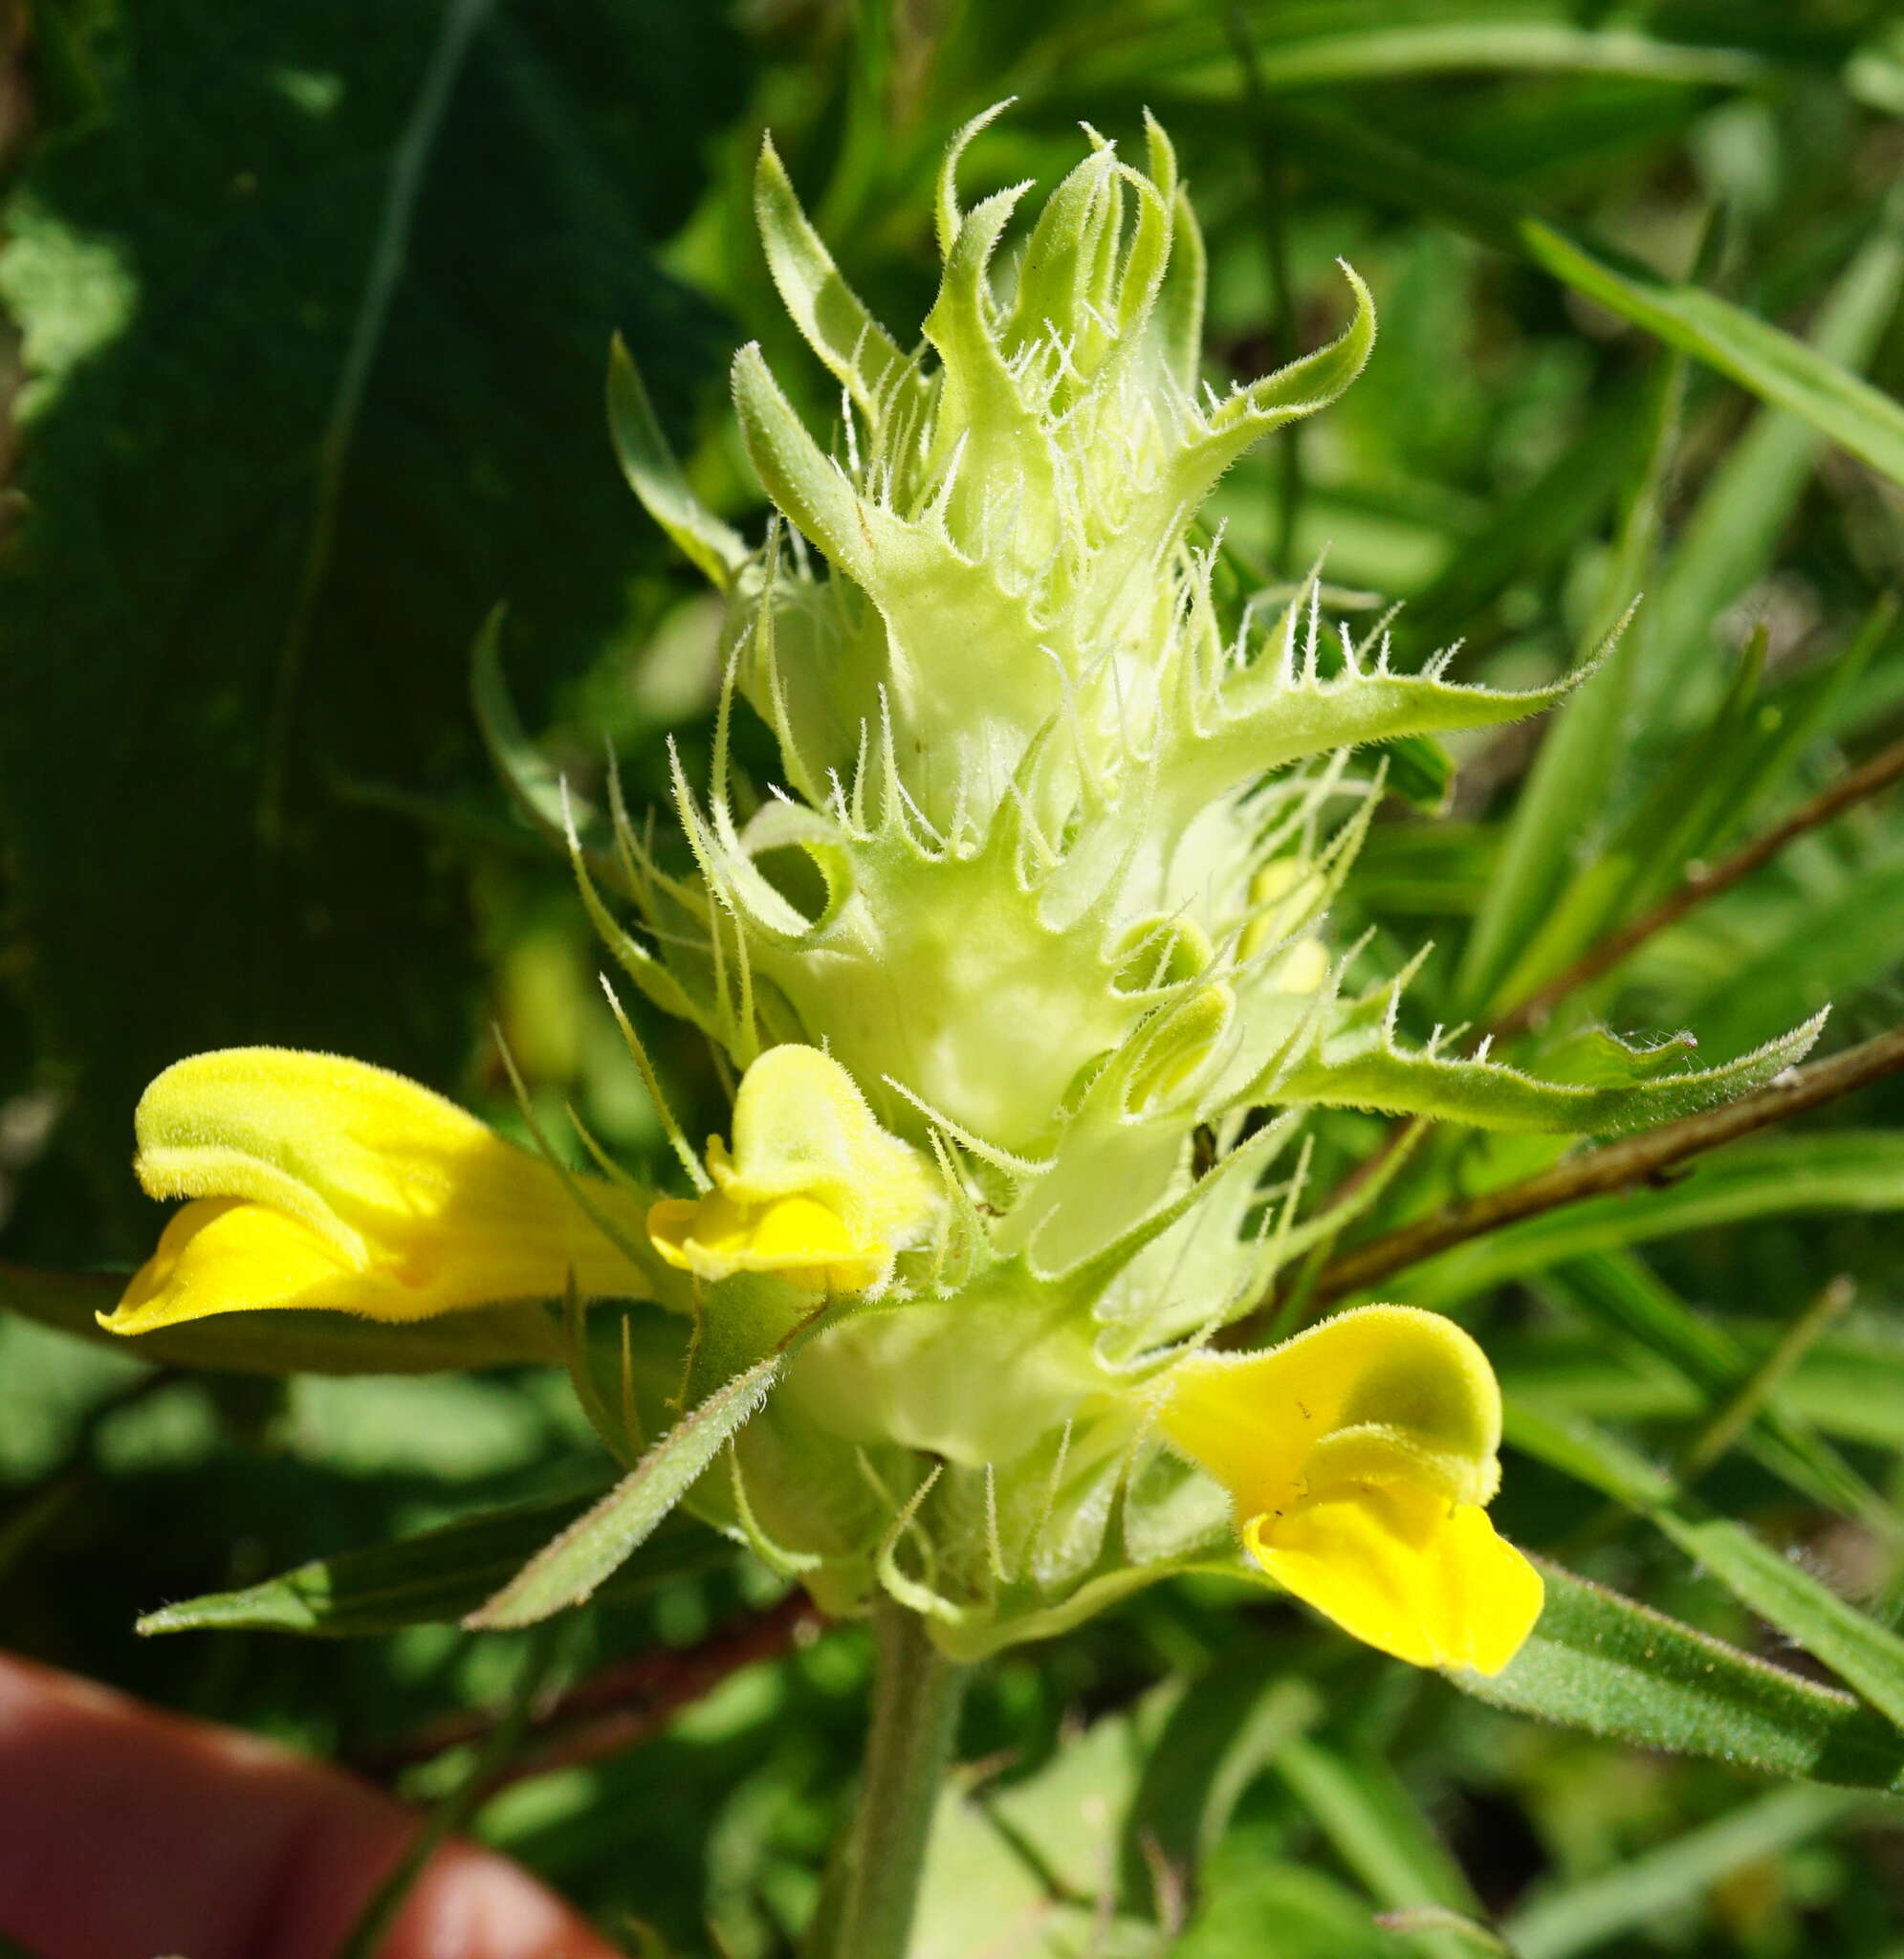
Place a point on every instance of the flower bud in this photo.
(814, 1190)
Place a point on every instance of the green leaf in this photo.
(304, 403)
(1230, 1723)
(1641, 1891)
(573, 1567)
(1767, 362)
(860, 355)
(1849, 1386)
(1306, 384)
(1314, 1915)
(1315, 46)
(1711, 785)
(1466, 1934)
(1619, 1670)
(1375, 1827)
(1574, 770)
(1271, 719)
(1734, 530)
(432, 1580)
(1701, 793)
(654, 475)
(1632, 1092)
(1030, 1868)
(1530, 531)
(807, 485)
(1600, 1461)
(288, 1341)
(1762, 359)
(1619, 1294)
(1831, 941)
(520, 767)
(1865, 1655)
(1862, 1653)
(1769, 1176)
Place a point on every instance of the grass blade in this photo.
(1639, 1892)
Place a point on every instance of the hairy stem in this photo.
(621, 1708)
(869, 1911)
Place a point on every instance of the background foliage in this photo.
(309, 311)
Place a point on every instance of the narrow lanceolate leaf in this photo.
(1378, 1830)
(574, 1566)
(1601, 1662)
(1864, 1654)
(1770, 362)
(536, 787)
(432, 1579)
(288, 1341)
(654, 475)
(1573, 772)
(1761, 357)
(1733, 532)
(1619, 1293)
(1307, 48)
(807, 485)
(1639, 1892)
(1372, 1073)
(1228, 1724)
(1301, 388)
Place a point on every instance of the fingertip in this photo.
(472, 1904)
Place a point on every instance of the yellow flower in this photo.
(814, 1190)
(1361, 1455)
(322, 1182)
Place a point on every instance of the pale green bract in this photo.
(1069, 844)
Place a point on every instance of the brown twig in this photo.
(1863, 782)
(1615, 1167)
(618, 1708)
(1878, 773)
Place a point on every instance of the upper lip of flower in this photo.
(317, 1182)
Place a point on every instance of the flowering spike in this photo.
(1017, 989)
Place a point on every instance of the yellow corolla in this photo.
(1361, 1455)
(813, 1190)
(317, 1182)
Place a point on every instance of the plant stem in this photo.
(1878, 773)
(1615, 1167)
(618, 1708)
(916, 1695)
(378, 1913)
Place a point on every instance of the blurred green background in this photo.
(309, 313)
